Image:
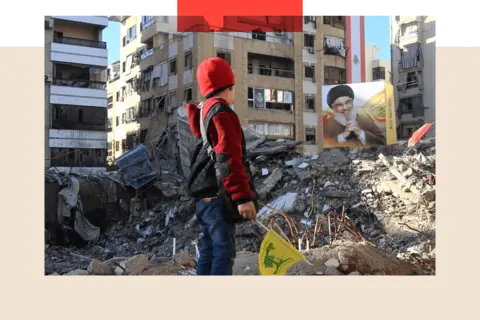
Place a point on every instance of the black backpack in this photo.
(208, 169)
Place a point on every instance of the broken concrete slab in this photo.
(337, 194)
(184, 259)
(135, 265)
(246, 263)
(284, 203)
(333, 158)
(99, 268)
(270, 182)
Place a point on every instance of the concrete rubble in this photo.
(362, 211)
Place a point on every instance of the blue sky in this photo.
(377, 33)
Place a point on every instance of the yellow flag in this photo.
(277, 255)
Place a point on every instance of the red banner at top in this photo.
(242, 16)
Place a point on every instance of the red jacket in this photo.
(226, 136)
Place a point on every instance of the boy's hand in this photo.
(248, 211)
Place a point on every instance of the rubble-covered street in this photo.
(351, 211)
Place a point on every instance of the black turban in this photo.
(339, 91)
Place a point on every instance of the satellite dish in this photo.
(182, 112)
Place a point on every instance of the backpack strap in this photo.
(204, 125)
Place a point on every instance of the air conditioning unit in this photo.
(279, 32)
(169, 109)
(311, 50)
(48, 24)
(48, 78)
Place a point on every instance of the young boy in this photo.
(226, 174)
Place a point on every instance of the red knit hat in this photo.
(214, 74)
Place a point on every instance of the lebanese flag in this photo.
(417, 135)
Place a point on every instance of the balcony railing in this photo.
(147, 24)
(80, 83)
(75, 125)
(81, 42)
(274, 72)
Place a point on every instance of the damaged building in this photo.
(75, 93)
(413, 72)
(279, 74)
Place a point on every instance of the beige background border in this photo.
(27, 294)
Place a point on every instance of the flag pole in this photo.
(262, 225)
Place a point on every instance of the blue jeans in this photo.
(217, 247)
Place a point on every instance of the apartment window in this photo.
(110, 100)
(159, 102)
(334, 75)
(334, 21)
(308, 19)
(117, 145)
(259, 35)
(187, 95)
(146, 22)
(80, 115)
(124, 93)
(124, 41)
(309, 72)
(188, 60)
(250, 68)
(109, 145)
(155, 82)
(117, 121)
(132, 33)
(124, 116)
(225, 56)
(309, 40)
(310, 136)
(274, 99)
(124, 144)
(412, 80)
(109, 123)
(173, 99)
(118, 95)
(379, 73)
(310, 103)
(124, 66)
(146, 78)
(173, 67)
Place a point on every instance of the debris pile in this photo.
(340, 204)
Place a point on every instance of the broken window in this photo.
(413, 105)
(310, 103)
(187, 94)
(173, 67)
(259, 35)
(309, 40)
(409, 28)
(225, 56)
(188, 60)
(310, 136)
(309, 72)
(379, 73)
(412, 80)
(333, 75)
(155, 82)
